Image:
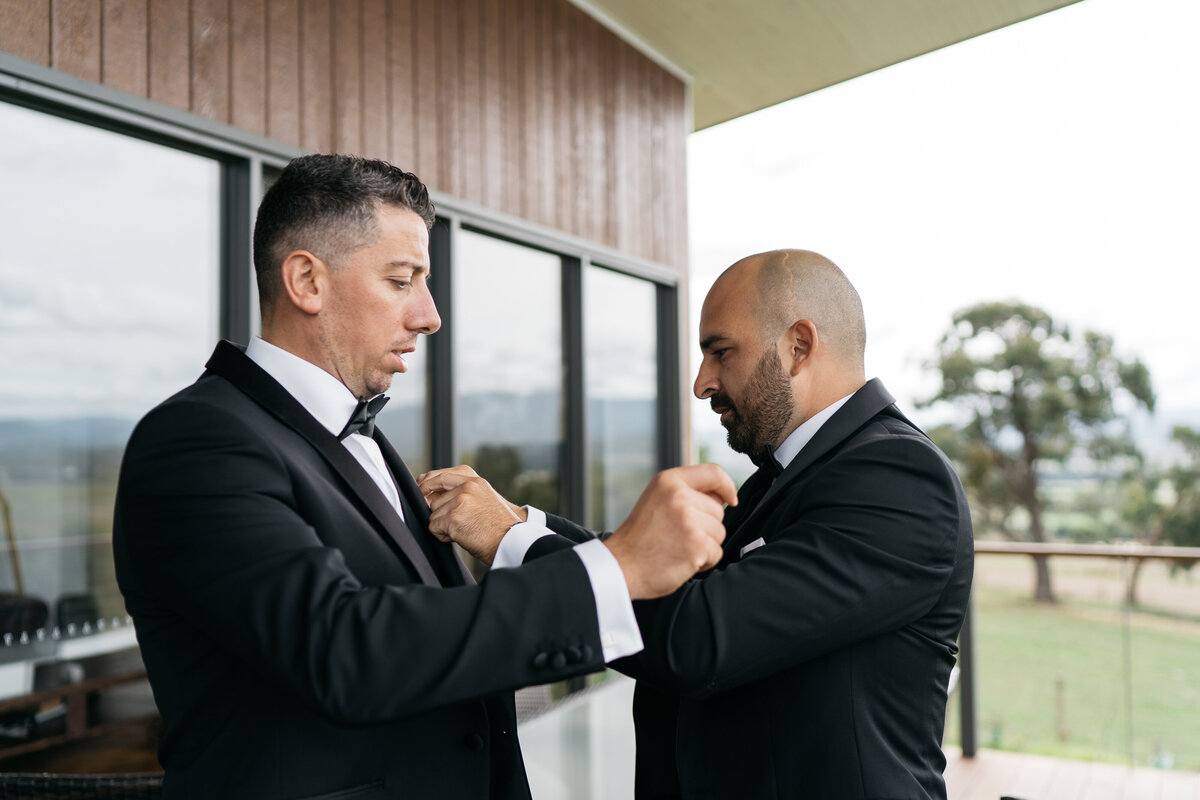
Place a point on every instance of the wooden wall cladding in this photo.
(528, 107)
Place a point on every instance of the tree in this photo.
(1032, 394)
(1163, 504)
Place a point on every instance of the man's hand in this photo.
(674, 531)
(466, 510)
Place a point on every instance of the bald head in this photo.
(779, 287)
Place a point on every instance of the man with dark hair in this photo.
(303, 633)
(813, 662)
(329, 206)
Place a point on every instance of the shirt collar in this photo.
(796, 440)
(321, 394)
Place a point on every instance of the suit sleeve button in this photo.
(559, 660)
(474, 742)
(541, 660)
(587, 652)
(574, 654)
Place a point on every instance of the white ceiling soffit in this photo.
(743, 55)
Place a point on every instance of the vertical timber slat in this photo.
(124, 44)
(548, 155)
(426, 121)
(75, 38)
(471, 163)
(448, 98)
(347, 76)
(210, 59)
(170, 54)
(531, 107)
(248, 65)
(512, 166)
(316, 76)
(494, 172)
(402, 114)
(283, 71)
(374, 71)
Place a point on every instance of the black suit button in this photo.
(474, 742)
(559, 660)
(574, 654)
(587, 652)
(541, 660)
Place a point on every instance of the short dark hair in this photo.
(328, 204)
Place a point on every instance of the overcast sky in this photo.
(1056, 162)
(109, 295)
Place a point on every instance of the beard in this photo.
(758, 420)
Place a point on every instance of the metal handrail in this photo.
(1119, 550)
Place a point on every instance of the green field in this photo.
(1053, 680)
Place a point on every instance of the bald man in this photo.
(813, 661)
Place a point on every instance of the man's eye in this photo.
(399, 284)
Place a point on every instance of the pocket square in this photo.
(757, 543)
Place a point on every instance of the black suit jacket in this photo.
(816, 665)
(300, 639)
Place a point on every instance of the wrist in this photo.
(615, 546)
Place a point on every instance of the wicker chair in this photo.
(43, 786)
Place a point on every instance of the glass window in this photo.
(404, 419)
(621, 351)
(508, 367)
(109, 271)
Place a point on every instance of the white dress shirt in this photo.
(619, 632)
(796, 440)
(329, 401)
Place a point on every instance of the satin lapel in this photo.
(866, 403)
(231, 363)
(417, 510)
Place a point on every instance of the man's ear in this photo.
(304, 277)
(801, 339)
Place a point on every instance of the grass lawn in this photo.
(1034, 660)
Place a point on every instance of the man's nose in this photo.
(425, 317)
(706, 383)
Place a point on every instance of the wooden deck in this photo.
(993, 774)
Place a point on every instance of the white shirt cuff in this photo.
(520, 537)
(619, 632)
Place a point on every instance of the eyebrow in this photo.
(707, 342)
(416, 268)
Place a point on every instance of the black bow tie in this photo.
(363, 419)
(765, 461)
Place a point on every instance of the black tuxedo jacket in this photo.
(815, 665)
(301, 640)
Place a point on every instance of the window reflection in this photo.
(404, 419)
(508, 366)
(620, 326)
(110, 277)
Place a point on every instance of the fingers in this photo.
(715, 553)
(709, 479)
(441, 480)
(471, 514)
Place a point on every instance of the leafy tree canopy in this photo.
(1032, 389)
(1032, 392)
